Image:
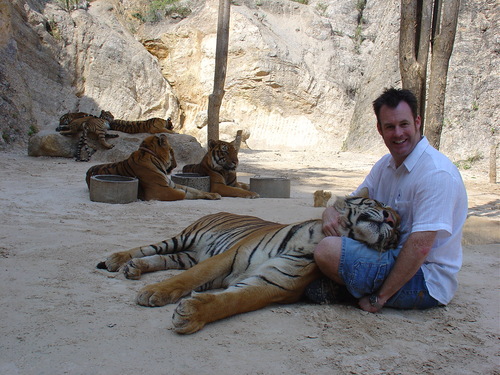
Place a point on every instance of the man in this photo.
(427, 191)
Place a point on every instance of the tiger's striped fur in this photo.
(153, 125)
(70, 116)
(256, 262)
(151, 164)
(89, 124)
(220, 163)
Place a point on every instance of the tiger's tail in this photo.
(192, 168)
(130, 127)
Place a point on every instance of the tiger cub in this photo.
(151, 164)
(153, 125)
(255, 262)
(220, 164)
(97, 125)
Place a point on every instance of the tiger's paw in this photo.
(188, 316)
(115, 261)
(244, 186)
(212, 196)
(132, 269)
(155, 295)
(252, 195)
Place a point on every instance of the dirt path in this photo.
(60, 315)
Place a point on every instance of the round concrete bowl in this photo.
(270, 187)
(113, 189)
(193, 180)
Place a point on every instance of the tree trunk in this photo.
(415, 31)
(215, 99)
(442, 48)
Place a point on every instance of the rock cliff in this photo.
(299, 76)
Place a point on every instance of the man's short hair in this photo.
(391, 97)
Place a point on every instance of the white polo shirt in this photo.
(428, 193)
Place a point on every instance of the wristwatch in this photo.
(374, 301)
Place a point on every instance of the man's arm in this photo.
(409, 260)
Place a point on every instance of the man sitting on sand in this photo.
(427, 190)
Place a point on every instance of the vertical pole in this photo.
(493, 163)
(221, 52)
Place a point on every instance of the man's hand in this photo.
(331, 220)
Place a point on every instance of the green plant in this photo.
(321, 8)
(475, 106)
(67, 5)
(32, 130)
(139, 16)
(360, 5)
(6, 137)
(305, 2)
(358, 37)
(160, 8)
(53, 29)
(467, 163)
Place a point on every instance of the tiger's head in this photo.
(369, 221)
(158, 146)
(223, 155)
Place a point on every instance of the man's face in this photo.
(400, 131)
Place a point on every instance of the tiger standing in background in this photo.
(151, 164)
(153, 125)
(220, 163)
(256, 262)
(88, 124)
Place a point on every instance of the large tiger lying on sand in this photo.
(151, 164)
(256, 262)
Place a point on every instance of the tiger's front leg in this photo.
(178, 286)
(117, 260)
(193, 313)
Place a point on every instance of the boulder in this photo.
(50, 143)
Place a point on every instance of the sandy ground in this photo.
(60, 315)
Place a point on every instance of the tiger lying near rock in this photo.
(220, 163)
(153, 125)
(87, 124)
(256, 262)
(151, 164)
(70, 116)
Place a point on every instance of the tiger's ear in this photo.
(162, 139)
(211, 143)
(364, 193)
(339, 203)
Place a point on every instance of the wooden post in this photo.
(493, 163)
(237, 140)
(215, 99)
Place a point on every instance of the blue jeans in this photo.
(364, 271)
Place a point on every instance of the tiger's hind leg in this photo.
(256, 292)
